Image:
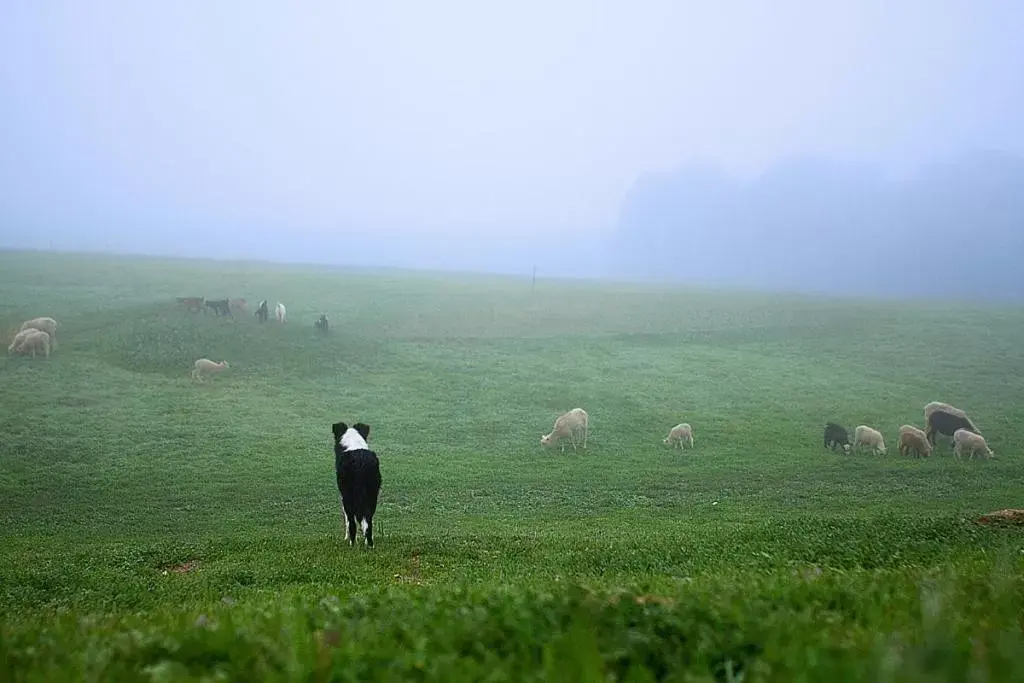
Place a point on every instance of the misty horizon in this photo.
(500, 139)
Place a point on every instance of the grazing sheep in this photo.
(914, 439)
(942, 422)
(192, 303)
(952, 410)
(31, 340)
(47, 325)
(678, 434)
(19, 339)
(207, 366)
(357, 470)
(835, 436)
(279, 312)
(975, 443)
(220, 306)
(261, 311)
(570, 424)
(866, 436)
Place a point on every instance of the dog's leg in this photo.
(368, 531)
(351, 532)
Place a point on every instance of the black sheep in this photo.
(941, 422)
(836, 435)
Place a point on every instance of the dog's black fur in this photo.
(835, 436)
(359, 480)
(261, 311)
(941, 422)
(322, 324)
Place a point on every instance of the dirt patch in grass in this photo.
(183, 568)
(1007, 516)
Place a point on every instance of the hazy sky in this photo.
(477, 116)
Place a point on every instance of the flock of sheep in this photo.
(939, 418)
(35, 336)
(39, 336)
(204, 367)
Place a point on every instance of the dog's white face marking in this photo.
(352, 440)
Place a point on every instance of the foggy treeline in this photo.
(953, 228)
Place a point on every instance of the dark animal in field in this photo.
(836, 436)
(261, 312)
(358, 473)
(941, 422)
(322, 324)
(192, 303)
(219, 306)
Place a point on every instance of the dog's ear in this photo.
(363, 429)
(339, 428)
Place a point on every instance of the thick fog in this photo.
(839, 146)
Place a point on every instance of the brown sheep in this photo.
(914, 439)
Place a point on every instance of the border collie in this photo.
(358, 472)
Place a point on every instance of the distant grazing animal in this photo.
(47, 325)
(205, 366)
(969, 441)
(571, 425)
(219, 306)
(914, 439)
(951, 410)
(279, 312)
(358, 472)
(261, 311)
(18, 340)
(866, 436)
(238, 304)
(680, 434)
(939, 406)
(322, 324)
(30, 341)
(941, 422)
(192, 303)
(836, 436)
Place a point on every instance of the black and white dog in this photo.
(358, 472)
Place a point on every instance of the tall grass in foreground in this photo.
(154, 529)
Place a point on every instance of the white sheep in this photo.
(32, 340)
(205, 365)
(866, 436)
(18, 340)
(679, 434)
(570, 424)
(47, 325)
(279, 312)
(975, 443)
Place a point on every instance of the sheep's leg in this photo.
(586, 430)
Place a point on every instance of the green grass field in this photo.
(156, 529)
